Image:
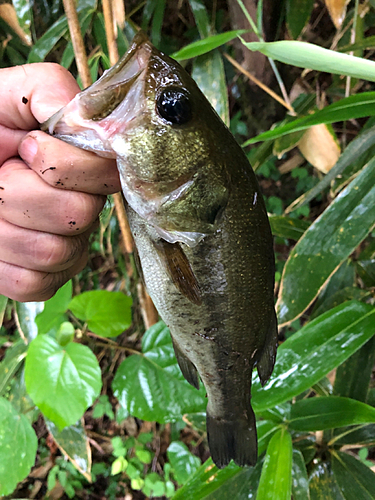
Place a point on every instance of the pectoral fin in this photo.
(267, 360)
(179, 270)
(188, 369)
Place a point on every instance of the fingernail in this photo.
(28, 149)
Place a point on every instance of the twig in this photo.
(259, 83)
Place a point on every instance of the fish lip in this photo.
(80, 117)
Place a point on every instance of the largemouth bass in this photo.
(200, 226)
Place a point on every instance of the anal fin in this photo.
(179, 270)
(187, 367)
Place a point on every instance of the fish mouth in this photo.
(106, 108)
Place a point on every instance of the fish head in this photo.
(149, 114)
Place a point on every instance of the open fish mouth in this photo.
(106, 108)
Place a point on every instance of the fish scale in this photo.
(200, 227)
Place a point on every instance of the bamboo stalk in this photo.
(77, 41)
(149, 314)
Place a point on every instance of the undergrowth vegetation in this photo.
(117, 419)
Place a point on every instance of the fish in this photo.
(200, 227)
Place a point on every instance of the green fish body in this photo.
(200, 226)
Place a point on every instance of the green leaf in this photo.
(320, 413)
(242, 486)
(300, 481)
(311, 56)
(53, 314)
(356, 435)
(18, 446)
(20, 399)
(355, 480)
(276, 478)
(286, 227)
(208, 479)
(150, 386)
(353, 376)
(74, 445)
(26, 314)
(201, 17)
(297, 15)
(329, 241)
(57, 31)
(62, 382)
(9, 365)
(208, 72)
(24, 14)
(316, 349)
(201, 47)
(323, 485)
(355, 106)
(107, 313)
(183, 462)
(3, 306)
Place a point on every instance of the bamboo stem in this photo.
(148, 310)
(77, 41)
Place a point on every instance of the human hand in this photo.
(51, 193)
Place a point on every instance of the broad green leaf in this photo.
(297, 15)
(201, 47)
(320, 413)
(54, 312)
(26, 314)
(201, 17)
(57, 31)
(353, 376)
(355, 106)
(356, 435)
(300, 481)
(46, 43)
(286, 227)
(242, 486)
(20, 399)
(18, 446)
(74, 445)
(157, 22)
(329, 241)
(150, 386)
(3, 305)
(355, 480)
(208, 478)
(276, 478)
(352, 154)
(316, 349)
(9, 365)
(62, 381)
(208, 72)
(323, 485)
(183, 462)
(24, 14)
(342, 278)
(107, 313)
(311, 56)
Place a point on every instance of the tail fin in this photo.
(233, 439)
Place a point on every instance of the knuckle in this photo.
(83, 211)
(58, 252)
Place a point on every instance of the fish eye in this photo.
(173, 104)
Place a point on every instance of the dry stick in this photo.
(259, 83)
(149, 313)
